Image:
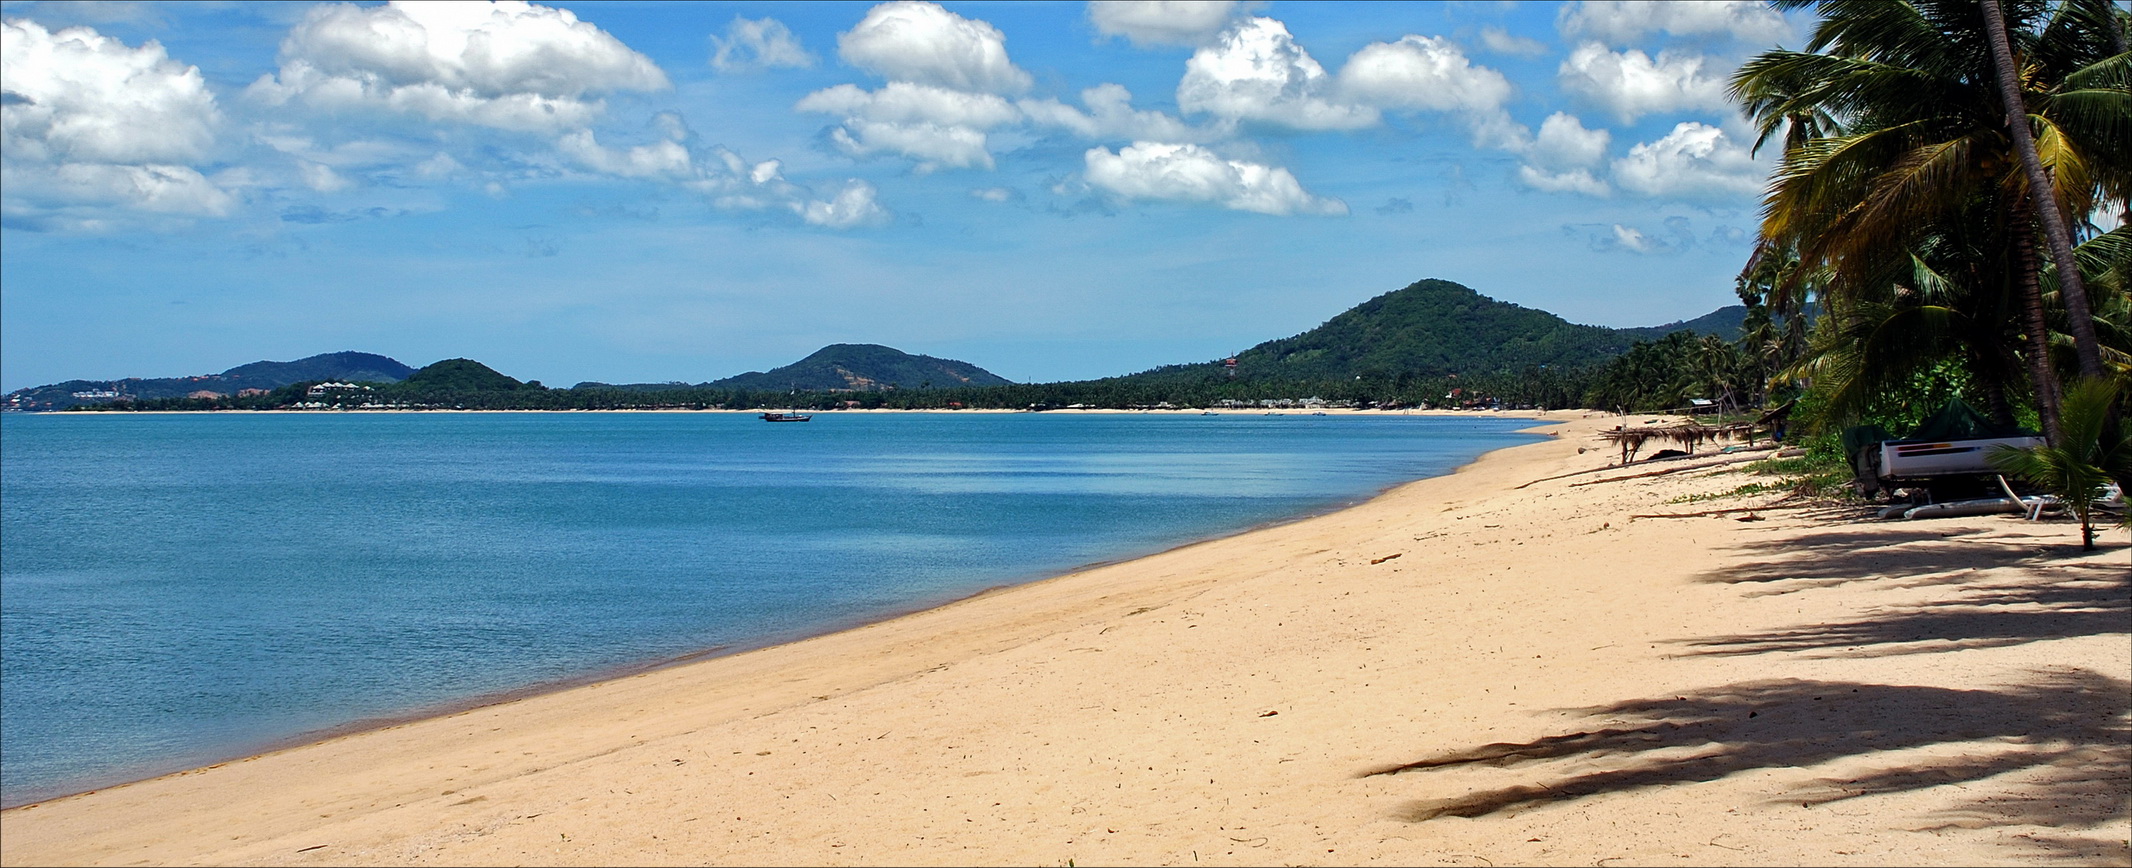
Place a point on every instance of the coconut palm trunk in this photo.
(2042, 374)
(2080, 317)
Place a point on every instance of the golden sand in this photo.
(1476, 669)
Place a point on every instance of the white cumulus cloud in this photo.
(757, 43)
(721, 176)
(1561, 158)
(1257, 72)
(907, 40)
(1502, 41)
(322, 178)
(904, 102)
(1633, 239)
(79, 96)
(1621, 22)
(1422, 72)
(667, 159)
(1676, 237)
(851, 208)
(1191, 173)
(88, 123)
(1636, 239)
(508, 64)
(946, 74)
(1631, 84)
(936, 126)
(933, 146)
(1563, 142)
(93, 196)
(1109, 115)
(1567, 181)
(1694, 161)
(1161, 22)
(1430, 73)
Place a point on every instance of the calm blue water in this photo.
(180, 589)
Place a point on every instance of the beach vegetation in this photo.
(1907, 218)
(1749, 489)
(2094, 449)
(1820, 473)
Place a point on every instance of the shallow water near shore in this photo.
(179, 589)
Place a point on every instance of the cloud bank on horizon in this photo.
(768, 175)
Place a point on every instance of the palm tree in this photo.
(1897, 140)
(1774, 334)
(2106, 264)
(2091, 455)
(1928, 326)
(1717, 365)
(2079, 313)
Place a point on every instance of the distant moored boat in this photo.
(786, 417)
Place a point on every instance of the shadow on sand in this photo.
(2058, 741)
(1917, 553)
(2076, 599)
(2064, 732)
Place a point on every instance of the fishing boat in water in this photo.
(787, 417)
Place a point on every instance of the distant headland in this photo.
(1432, 343)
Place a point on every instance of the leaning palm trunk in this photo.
(2041, 374)
(2080, 316)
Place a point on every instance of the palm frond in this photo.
(2068, 168)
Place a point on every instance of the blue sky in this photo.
(633, 192)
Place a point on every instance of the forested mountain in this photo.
(863, 368)
(1725, 322)
(344, 366)
(1436, 328)
(463, 375)
(1431, 342)
(351, 367)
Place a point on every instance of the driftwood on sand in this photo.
(1774, 504)
(1730, 458)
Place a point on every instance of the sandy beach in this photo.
(1494, 667)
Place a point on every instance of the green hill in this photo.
(1434, 328)
(462, 375)
(1430, 328)
(1725, 322)
(344, 366)
(863, 368)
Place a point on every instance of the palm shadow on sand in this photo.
(2076, 599)
(2062, 738)
(2064, 731)
(2040, 589)
(1915, 553)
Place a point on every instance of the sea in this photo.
(181, 589)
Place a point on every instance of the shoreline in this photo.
(628, 670)
(1060, 411)
(1400, 681)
